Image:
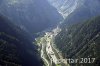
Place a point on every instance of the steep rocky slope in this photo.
(85, 10)
(77, 8)
(64, 7)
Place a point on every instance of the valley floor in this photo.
(49, 53)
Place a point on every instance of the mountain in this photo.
(85, 10)
(64, 7)
(80, 32)
(76, 8)
(20, 21)
(77, 36)
(31, 15)
(16, 47)
(81, 40)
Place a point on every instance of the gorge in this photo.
(49, 32)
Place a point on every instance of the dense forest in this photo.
(81, 40)
(16, 47)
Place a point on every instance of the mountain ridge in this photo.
(81, 40)
(16, 47)
(34, 13)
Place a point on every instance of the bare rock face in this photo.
(66, 7)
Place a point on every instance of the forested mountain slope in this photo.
(31, 15)
(81, 40)
(25, 18)
(16, 47)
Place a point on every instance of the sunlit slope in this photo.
(86, 9)
(77, 7)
